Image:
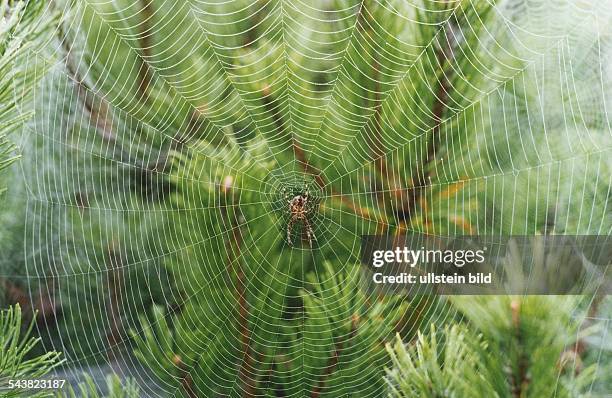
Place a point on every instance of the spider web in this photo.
(166, 134)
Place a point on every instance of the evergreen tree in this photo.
(217, 162)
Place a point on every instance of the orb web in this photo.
(169, 135)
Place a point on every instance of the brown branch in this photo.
(299, 152)
(42, 306)
(272, 109)
(185, 376)
(146, 31)
(316, 173)
(390, 185)
(329, 369)
(376, 136)
(575, 353)
(234, 248)
(98, 111)
(519, 381)
(308, 168)
(255, 17)
(320, 181)
(114, 282)
(420, 177)
(334, 359)
(440, 101)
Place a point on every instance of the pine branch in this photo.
(24, 26)
(146, 44)
(446, 364)
(115, 387)
(185, 377)
(99, 112)
(375, 138)
(114, 282)
(575, 353)
(234, 250)
(15, 346)
(334, 360)
(519, 381)
(526, 338)
(421, 177)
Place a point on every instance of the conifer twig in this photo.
(420, 177)
(234, 249)
(98, 112)
(334, 359)
(146, 31)
(114, 282)
(186, 380)
(520, 380)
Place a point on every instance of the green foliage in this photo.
(509, 347)
(396, 114)
(6, 153)
(337, 340)
(168, 134)
(22, 31)
(15, 345)
(115, 389)
(17, 363)
(452, 367)
(599, 353)
(65, 159)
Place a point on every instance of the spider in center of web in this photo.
(300, 210)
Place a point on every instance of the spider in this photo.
(299, 209)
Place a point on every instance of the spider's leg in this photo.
(289, 225)
(309, 232)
